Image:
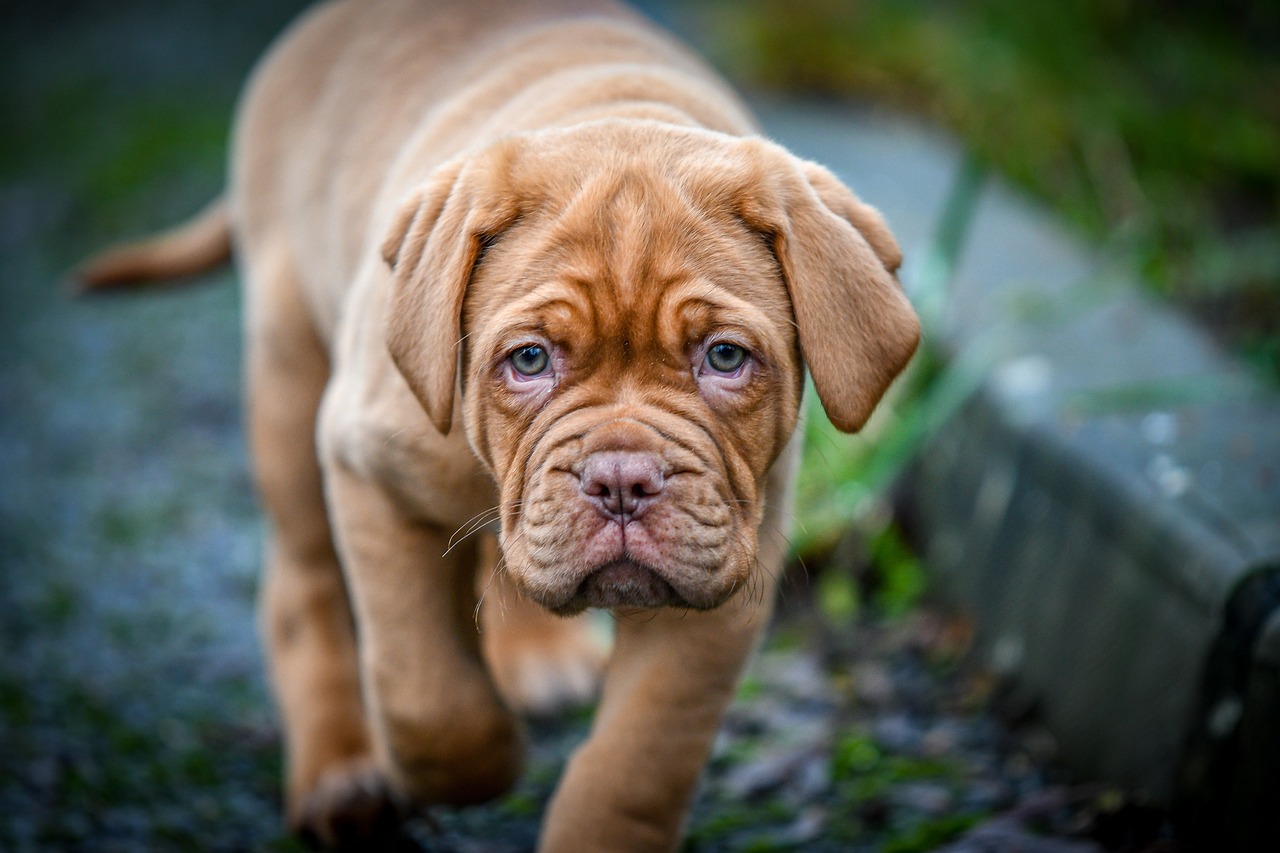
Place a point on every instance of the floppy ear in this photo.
(864, 217)
(432, 247)
(857, 329)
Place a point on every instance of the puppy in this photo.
(524, 267)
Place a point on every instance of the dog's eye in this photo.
(530, 360)
(725, 358)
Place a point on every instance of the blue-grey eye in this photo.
(726, 358)
(530, 360)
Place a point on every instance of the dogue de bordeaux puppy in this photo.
(524, 269)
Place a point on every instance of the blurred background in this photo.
(1151, 128)
(132, 709)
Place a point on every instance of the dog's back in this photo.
(362, 100)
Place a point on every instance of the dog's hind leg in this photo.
(333, 791)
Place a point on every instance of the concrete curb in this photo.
(1106, 505)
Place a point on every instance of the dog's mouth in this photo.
(645, 528)
(622, 584)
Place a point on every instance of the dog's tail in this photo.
(198, 245)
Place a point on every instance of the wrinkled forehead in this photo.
(627, 249)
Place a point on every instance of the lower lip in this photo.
(624, 583)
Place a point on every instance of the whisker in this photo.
(484, 592)
(476, 522)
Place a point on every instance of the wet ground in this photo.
(133, 715)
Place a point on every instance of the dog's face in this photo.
(634, 307)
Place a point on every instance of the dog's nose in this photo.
(622, 483)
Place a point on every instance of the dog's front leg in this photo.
(666, 689)
(670, 678)
(439, 728)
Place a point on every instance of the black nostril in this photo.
(642, 490)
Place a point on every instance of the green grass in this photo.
(846, 479)
(1153, 129)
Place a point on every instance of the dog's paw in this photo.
(549, 667)
(352, 807)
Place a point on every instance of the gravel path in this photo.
(133, 714)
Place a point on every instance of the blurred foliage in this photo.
(895, 587)
(1154, 128)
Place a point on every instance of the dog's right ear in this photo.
(432, 247)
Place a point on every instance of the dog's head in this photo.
(627, 310)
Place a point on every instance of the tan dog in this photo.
(527, 257)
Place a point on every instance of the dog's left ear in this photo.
(432, 247)
(857, 330)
